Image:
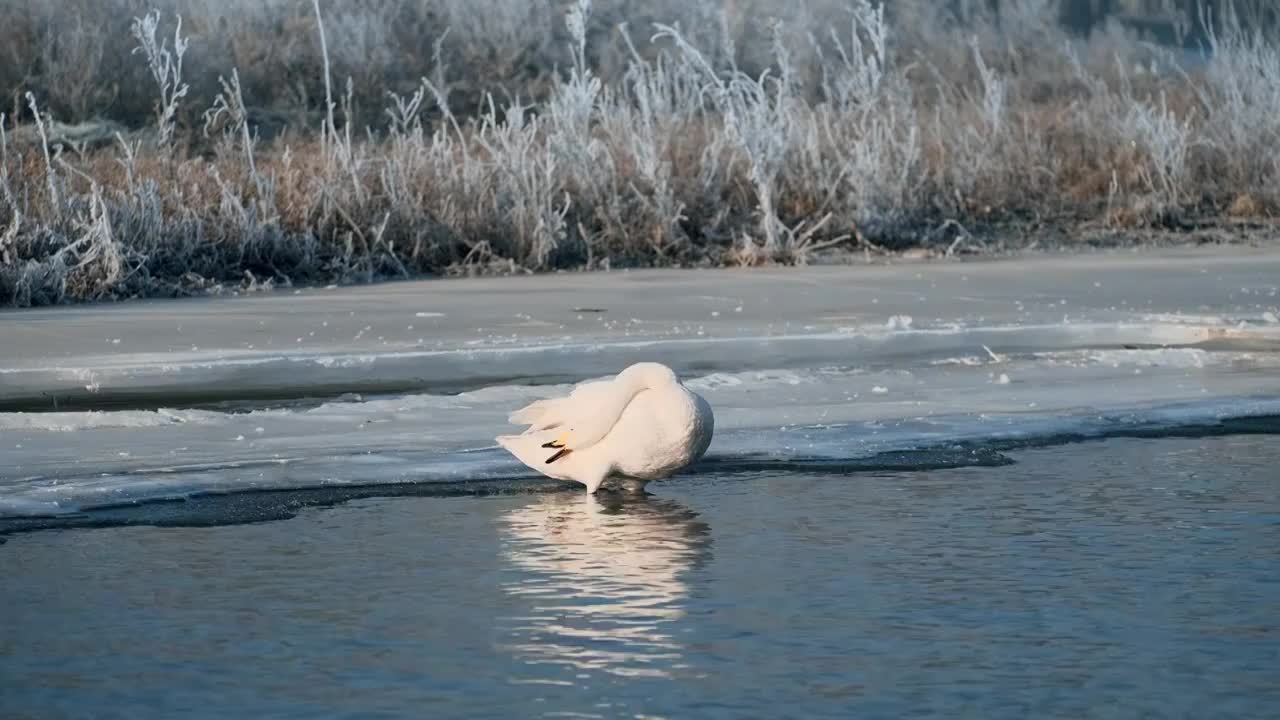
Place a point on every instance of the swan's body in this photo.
(642, 425)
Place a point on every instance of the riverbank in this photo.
(811, 141)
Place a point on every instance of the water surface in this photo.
(1117, 578)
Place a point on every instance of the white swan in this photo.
(642, 425)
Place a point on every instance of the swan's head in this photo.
(649, 374)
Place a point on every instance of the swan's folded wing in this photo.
(587, 415)
(575, 422)
(553, 412)
(537, 414)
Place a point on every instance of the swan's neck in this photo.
(627, 389)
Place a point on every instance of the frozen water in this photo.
(104, 406)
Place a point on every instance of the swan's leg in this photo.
(594, 476)
(634, 486)
(593, 484)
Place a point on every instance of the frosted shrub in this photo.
(166, 68)
(1240, 94)
(343, 141)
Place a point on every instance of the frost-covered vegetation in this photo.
(160, 151)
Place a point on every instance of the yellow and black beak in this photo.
(560, 445)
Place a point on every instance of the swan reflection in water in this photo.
(603, 580)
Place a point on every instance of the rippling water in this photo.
(1121, 578)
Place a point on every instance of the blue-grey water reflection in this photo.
(1124, 578)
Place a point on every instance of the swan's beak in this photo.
(558, 442)
(561, 445)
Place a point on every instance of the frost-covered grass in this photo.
(276, 142)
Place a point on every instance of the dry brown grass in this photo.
(533, 147)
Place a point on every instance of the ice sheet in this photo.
(817, 367)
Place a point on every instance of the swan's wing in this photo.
(586, 417)
(575, 422)
(554, 412)
(539, 414)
